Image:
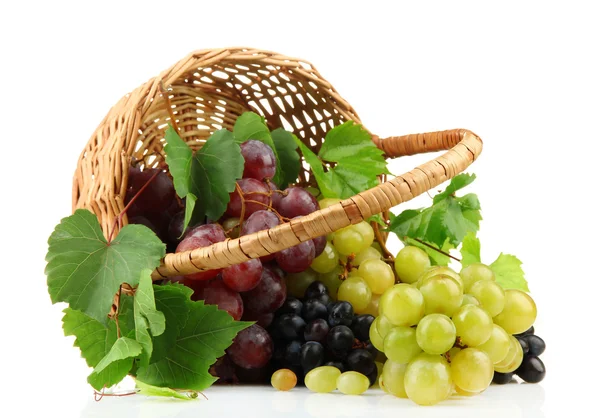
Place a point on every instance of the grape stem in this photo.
(433, 248)
(99, 395)
(379, 237)
(116, 316)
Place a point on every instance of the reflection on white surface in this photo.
(513, 400)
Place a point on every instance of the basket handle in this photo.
(463, 148)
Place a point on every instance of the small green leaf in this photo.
(179, 159)
(378, 219)
(509, 273)
(456, 183)
(149, 390)
(86, 271)
(470, 250)
(123, 349)
(286, 147)
(317, 169)
(147, 319)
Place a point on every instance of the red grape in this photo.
(268, 296)
(175, 229)
(297, 258)
(252, 189)
(275, 196)
(252, 348)
(157, 196)
(216, 293)
(142, 220)
(320, 243)
(191, 243)
(296, 202)
(259, 160)
(211, 232)
(243, 277)
(264, 320)
(259, 221)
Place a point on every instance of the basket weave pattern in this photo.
(207, 91)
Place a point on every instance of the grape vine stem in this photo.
(433, 248)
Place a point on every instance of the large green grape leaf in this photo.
(124, 349)
(207, 177)
(86, 271)
(289, 159)
(147, 319)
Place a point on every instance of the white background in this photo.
(522, 75)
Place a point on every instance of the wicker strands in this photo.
(207, 91)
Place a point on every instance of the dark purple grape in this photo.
(297, 258)
(314, 290)
(296, 202)
(264, 320)
(259, 160)
(252, 189)
(157, 196)
(142, 220)
(532, 369)
(312, 354)
(531, 330)
(175, 230)
(275, 195)
(372, 377)
(316, 330)
(289, 327)
(243, 277)
(524, 345)
(291, 305)
(320, 243)
(502, 378)
(360, 360)
(251, 348)
(254, 375)
(371, 349)
(293, 353)
(224, 369)
(340, 339)
(341, 313)
(259, 221)
(361, 324)
(314, 309)
(536, 345)
(216, 293)
(338, 364)
(268, 296)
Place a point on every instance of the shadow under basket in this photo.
(207, 91)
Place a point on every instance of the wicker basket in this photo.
(208, 90)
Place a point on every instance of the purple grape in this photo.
(191, 243)
(320, 243)
(212, 232)
(251, 348)
(175, 230)
(216, 293)
(243, 277)
(259, 221)
(316, 330)
(259, 160)
(157, 196)
(296, 202)
(297, 258)
(268, 296)
(275, 195)
(252, 189)
(142, 220)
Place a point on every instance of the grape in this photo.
(328, 201)
(312, 355)
(340, 339)
(297, 283)
(368, 253)
(341, 313)
(469, 300)
(232, 225)
(216, 293)
(157, 196)
(524, 345)
(337, 364)
(373, 306)
(317, 330)
(536, 345)
(353, 239)
(293, 353)
(322, 379)
(474, 273)
(519, 312)
(275, 195)
(497, 346)
(392, 378)
(297, 258)
(289, 327)
(264, 320)
(402, 305)
(332, 281)
(327, 261)
(513, 359)
(259, 375)
(410, 263)
(532, 369)
(296, 202)
(378, 275)
(441, 271)
(361, 324)
(502, 378)
(441, 294)
(175, 229)
(427, 379)
(531, 330)
(252, 189)
(291, 305)
(314, 309)
(461, 392)
(259, 221)
(268, 296)
(361, 361)
(352, 383)
(380, 327)
(244, 276)
(472, 370)
(473, 325)
(251, 348)
(259, 160)
(374, 375)
(400, 345)
(191, 243)
(284, 379)
(320, 243)
(435, 334)
(314, 290)
(224, 369)
(211, 232)
(142, 220)
(490, 296)
(356, 291)
(452, 352)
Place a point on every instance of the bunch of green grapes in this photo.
(444, 332)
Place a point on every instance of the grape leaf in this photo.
(204, 338)
(470, 250)
(149, 390)
(509, 273)
(86, 271)
(95, 341)
(354, 161)
(286, 147)
(448, 218)
(124, 349)
(147, 319)
(207, 177)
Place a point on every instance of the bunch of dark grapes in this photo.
(532, 368)
(316, 331)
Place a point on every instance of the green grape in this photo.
(377, 246)
(328, 201)
(410, 263)
(402, 304)
(461, 392)
(352, 383)
(469, 300)
(381, 385)
(380, 327)
(519, 312)
(348, 240)
(473, 325)
(392, 378)
(373, 307)
(441, 270)
(441, 294)
(332, 281)
(327, 260)
(233, 226)
(513, 359)
(490, 296)
(379, 366)
(368, 253)
(322, 379)
(378, 275)
(365, 229)
(427, 379)
(497, 346)
(400, 344)
(435, 334)
(356, 291)
(475, 272)
(297, 283)
(472, 370)
(452, 352)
